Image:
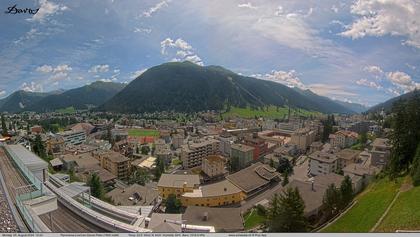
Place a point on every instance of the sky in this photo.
(363, 51)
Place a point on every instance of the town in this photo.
(208, 173)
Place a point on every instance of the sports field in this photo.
(137, 132)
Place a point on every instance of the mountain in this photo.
(387, 105)
(333, 105)
(187, 87)
(357, 108)
(84, 97)
(21, 100)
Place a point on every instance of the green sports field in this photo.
(135, 132)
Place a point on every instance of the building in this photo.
(214, 166)
(223, 219)
(177, 140)
(212, 195)
(346, 157)
(254, 179)
(193, 153)
(259, 145)
(32, 162)
(73, 137)
(54, 145)
(362, 173)
(380, 152)
(303, 138)
(343, 139)
(323, 163)
(177, 184)
(316, 146)
(226, 141)
(114, 162)
(244, 154)
(86, 127)
(36, 129)
(134, 195)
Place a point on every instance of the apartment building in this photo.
(381, 150)
(73, 137)
(177, 140)
(303, 138)
(343, 139)
(214, 166)
(192, 154)
(114, 162)
(323, 163)
(259, 145)
(244, 153)
(226, 141)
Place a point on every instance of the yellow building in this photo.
(177, 184)
(212, 195)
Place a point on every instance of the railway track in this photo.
(63, 219)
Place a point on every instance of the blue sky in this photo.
(359, 51)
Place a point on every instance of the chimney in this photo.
(312, 185)
(205, 216)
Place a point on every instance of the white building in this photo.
(73, 137)
(193, 153)
(323, 163)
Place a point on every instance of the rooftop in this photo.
(215, 189)
(178, 180)
(253, 177)
(347, 154)
(133, 195)
(242, 147)
(381, 142)
(324, 157)
(223, 219)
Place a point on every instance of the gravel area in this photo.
(7, 223)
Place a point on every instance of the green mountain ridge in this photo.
(93, 94)
(187, 87)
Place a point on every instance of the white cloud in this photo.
(402, 81)
(46, 9)
(99, 68)
(142, 30)
(137, 73)
(385, 17)
(2, 93)
(156, 8)
(44, 69)
(32, 87)
(184, 51)
(374, 69)
(247, 5)
(59, 76)
(365, 82)
(289, 78)
(330, 90)
(63, 68)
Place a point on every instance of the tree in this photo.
(96, 188)
(145, 150)
(284, 166)
(346, 192)
(159, 169)
(173, 205)
(38, 147)
(405, 134)
(363, 138)
(3, 126)
(286, 212)
(139, 177)
(415, 170)
(285, 178)
(331, 201)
